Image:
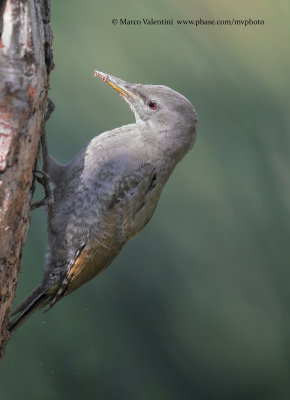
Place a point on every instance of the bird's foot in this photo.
(37, 204)
(44, 179)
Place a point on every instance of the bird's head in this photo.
(162, 109)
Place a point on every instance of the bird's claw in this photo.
(44, 179)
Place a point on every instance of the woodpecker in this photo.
(110, 189)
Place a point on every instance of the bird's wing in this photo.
(128, 198)
(134, 187)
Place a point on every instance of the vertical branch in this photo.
(25, 64)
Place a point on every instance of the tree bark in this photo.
(25, 64)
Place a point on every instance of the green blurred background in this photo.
(197, 306)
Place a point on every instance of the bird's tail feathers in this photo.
(33, 303)
(27, 301)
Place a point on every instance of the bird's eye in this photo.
(152, 105)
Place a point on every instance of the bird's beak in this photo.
(116, 83)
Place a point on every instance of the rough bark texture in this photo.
(25, 63)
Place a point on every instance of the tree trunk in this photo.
(25, 64)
